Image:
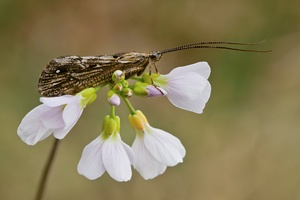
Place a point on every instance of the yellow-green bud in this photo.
(118, 75)
(118, 87)
(127, 92)
(138, 120)
(88, 96)
(111, 125)
(125, 83)
(139, 89)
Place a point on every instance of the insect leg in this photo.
(156, 70)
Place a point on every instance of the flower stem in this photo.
(130, 107)
(44, 178)
(112, 111)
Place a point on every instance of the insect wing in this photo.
(72, 74)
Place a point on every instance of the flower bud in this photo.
(125, 83)
(138, 120)
(127, 92)
(113, 98)
(88, 96)
(147, 90)
(118, 75)
(147, 78)
(110, 125)
(118, 87)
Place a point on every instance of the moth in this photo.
(72, 74)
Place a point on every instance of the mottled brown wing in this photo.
(72, 74)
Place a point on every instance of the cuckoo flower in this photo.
(107, 153)
(186, 87)
(56, 115)
(154, 149)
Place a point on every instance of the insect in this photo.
(72, 74)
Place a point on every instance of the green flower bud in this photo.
(88, 96)
(110, 126)
(118, 87)
(127, 92)
(118, 75)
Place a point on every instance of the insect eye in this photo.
(155, 56)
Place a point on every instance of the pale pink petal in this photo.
(116, 160)
(188, 86)
(194, 105)
(52, 117)
(72, 111)
(206, 93)
(91, 161)
(145, 163)
(201, 68)
(114, 100)
(56, 101)
(163, 146)
(154, 91)
(31, 129)
(190, 92)
(71, 114)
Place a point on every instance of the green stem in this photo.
(112, 111)
(44, 178)
(130, 107)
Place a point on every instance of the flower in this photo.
(154, 149)
(56, 115)
(107, 153)
(187, 87)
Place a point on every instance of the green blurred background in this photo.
(244, 146)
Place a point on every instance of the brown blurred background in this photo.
(246, 144)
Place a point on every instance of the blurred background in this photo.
(244, 146)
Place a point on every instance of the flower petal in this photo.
(71, 114)
(129, 152)
(187, 87)
(189, 91)
(56, 101)
(201, 68)
(206, 92)
(114, 100)
(52, 117)
(116, 160)
(194, 105)
(145, 163)
(31, 129)
(154, 91)
(91, 161)
(163, 146)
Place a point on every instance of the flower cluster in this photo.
(153, 149)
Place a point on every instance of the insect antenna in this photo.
(214, 45)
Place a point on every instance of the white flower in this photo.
(107, 153)
(154, 149)
(56, 115)
(187, 87)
